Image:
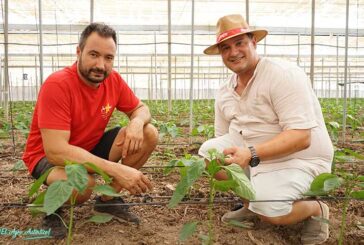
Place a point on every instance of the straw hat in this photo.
(231, 26)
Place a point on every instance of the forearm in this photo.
(73, 153)
(142, 114)
(284, 144)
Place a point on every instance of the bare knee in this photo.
(83, 197)
(151, 134)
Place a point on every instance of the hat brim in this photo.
(214, 49)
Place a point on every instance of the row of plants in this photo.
(203, 111)
(341, 185)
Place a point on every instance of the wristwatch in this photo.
(255, 160)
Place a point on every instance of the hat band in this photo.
(230, 33)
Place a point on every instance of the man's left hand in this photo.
(131, 137)
(240, 156)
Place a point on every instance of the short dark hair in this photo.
(100, 28)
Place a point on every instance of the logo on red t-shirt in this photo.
(106, 111)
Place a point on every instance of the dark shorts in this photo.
(102, 149)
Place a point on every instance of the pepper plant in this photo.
(331, 184)
(193, 169)
(207, 131)
(60, 192)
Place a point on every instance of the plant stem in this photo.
(210, 211)
(70, 225)
(348, 189)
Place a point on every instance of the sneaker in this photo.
(241, 214)
(55, 224)
(120, 212)
(315, 231)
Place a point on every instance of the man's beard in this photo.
(86, 73)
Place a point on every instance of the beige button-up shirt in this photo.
(278, 97)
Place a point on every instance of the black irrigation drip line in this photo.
(202, 201)
(179, 143)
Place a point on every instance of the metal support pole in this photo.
(298, 48)
(118, 52)
(1, 83)
(155, 65)
(6, 57)
(337, 69)
(175, 77)
(151, 77)
(169, 59)
(312, 68)
(191, 73)
(349, 79)
(247, 10)
(322, 78)
(36, 79)
(345, 69)
(40, 42)
(127, 71)
(198, 77)
(329, 94)
(23, 86)
(91, 11)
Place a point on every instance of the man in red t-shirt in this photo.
(70, 117)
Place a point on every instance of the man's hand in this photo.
(240, 156)
(131, 179)
(131, 137)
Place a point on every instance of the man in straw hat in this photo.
(269, 121)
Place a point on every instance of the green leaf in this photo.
(99, 171)
(187, 231)
(213, 167)
(360, 178)
(360, 184)
(334, 124)
(332, 184)
(201, 128)
(106, 190)
(77, 176)
(315, 193)
(36, 185)
(318, 183)
(244, 188)
(246, 225)
(57, 194)
(19, 165)
(187, 162)
(100, 218)
(204, 239)
(225, 185)
(354, 154)
(170, 166)
(194, 132)
(193, 173)
(38, 201)
(357, 194)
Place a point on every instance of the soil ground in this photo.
(159, 225)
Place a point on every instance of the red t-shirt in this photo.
(65, 102)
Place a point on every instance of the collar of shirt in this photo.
(233, 82)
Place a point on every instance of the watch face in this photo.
(254, 162)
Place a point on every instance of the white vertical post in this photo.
(191, 73)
